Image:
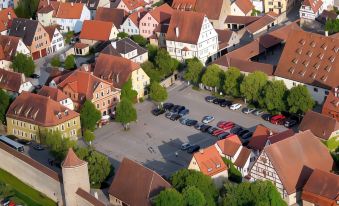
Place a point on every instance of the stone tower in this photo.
(75, 175)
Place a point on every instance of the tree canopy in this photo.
(55, 62)
(154, 74)
(275, 93)
(169, 197)
(139, 40)
(252, 86)
(58, 145)
(164, 61)
(89, 116)
(89, 136)
(193, 197)
(299, 100)
(70, 62)
(212, 76)
(332, 25)
(158, 93)
(152, 52)
(27, 8)
(194, 70)
(125, 112)
(233, 78)
(122, 35)
(128, 92)
(4, 104)
(23, 64)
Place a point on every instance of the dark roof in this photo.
(244, 155)
(135, 184)
(24, 28)
(89, 198)
(123, 46)
(117, 16)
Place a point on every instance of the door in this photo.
(43, 52)
(36, 55)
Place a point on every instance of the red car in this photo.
(277, 119)
(227, 125)
(221, 123)
(217, 132)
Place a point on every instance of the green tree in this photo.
(68, 37)
(89, 116)
(57, 144)
(89, 136)
(125, 113)
(169, 197)
(252, 86)
(194, 70)
(152, 52)
(158, 93)
(55, 62)
(332, 25)
(234, 174)
(4, 104)
(154, 74)
(122, 35)
(27, 9)
(5, 190)
(70, 62)
(128, 92)
(233, 78)
(164, 61)
(193, 197)
(299, 100)
(23, 64)
(275, 93)
(212, 76)
(139, 40)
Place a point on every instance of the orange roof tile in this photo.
(162, 13)
(53, 93)
(260, 137)
(72, 160)
(244, 5)
(261, 23)
(90, 30)
(331, 105)
(70, 10)
(6, 17)
(11, 81)
(314, 4)
(230, 145)
(134, 4)
(136, 16)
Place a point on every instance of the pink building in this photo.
(153, 19)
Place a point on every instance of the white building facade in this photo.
(57, 42)
(130, 27)
(75, 25)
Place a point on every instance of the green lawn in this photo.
(332, 143)
(24, 192)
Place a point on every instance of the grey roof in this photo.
(91, 4)
(123, 46)
(24, 28)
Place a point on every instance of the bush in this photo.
(68, 37)
(122, 35)
(139, 40)
(55, 62)
(70, 62)
(234, 174)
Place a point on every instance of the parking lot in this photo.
(154, 141)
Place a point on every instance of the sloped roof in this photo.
(6, 17)
(162, 13)
(89, 197)
(25, 29)
(314, 4)
(136, 16)
(91, 4)
(260, 137)
(39, 110)
(324, 130)
(244, 5)
(117, 16)
(51, 30)
(53, 93)
(134, 4)
(70, 10)
(96, 30)
(211, 8)
(123, 46)
(186, 5)
(280, 136)
(245, 20)
(135, 184)
(230, 145)
(224, 37)
(244, 155)
(11, 81)
(72, 160)
(9, 45)
(261, 23)
(294, 159)
(331, 106)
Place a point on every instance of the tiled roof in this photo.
(24, 28)
(9, 45)
(117, 16)
(209, 161)
(224, 37)
(244, 5)
(91, 4)
(89, 197)
(123, 46)
(136, 16)
(280, 136)
(260, 137)
(134, 4)
(79, 45)
(260, 23)
(324, 130)
(69, 10)
(11, 81)
(135, 184)
(211, 8)
(245, 20)
(51, 30)
(186, 5)
(39, 110)
(314, 4)
(331, 106)
(114, 69)
(72, 160)
(53, 93)
(294, 158)
(6, 17)
(230, 145)
(162, 13)
(96, 30)
(311, 59)
(244, 155)
(189, 25)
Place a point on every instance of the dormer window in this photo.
(218, 165)
(66, 112)
(59, 115)
(209, 169)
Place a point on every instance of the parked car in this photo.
(207, 119)
(35, 76)
(184, 112)
(239, 131)
(290, 123)
(175, 117)
(243, 132)
(157, 111)
(227, 126)
(193, 148)
(217, 100)
(179, 109)
(258, 112)
(168, 115)
(248, 110)
(24, 141)
(235, 130)
(38, 147)
(198, 125)
(167, 106)
(174, 109)
(191, 122)
(183, 120)
(223, 135)
(235, 106)
(277, 119)
(185, 146)
(225, 103)
(210, 98)
(218, 132)
(267, 117)
(5, 201)
(212, 129)
(204, 128)
(220, 123)
(247, 135)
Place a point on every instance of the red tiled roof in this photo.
(72, 160)
(6, 16)
(260, 137)
(224, 37)
(261, 23)
(209, 161)
(136, 16)
(230, 145)
(244, 5)
(53, 93)
(51, 30)
(314, 4)
(211, 9)
(9, 45)
(331, 106)
(11, 81)
(245, 20)
(244, 155)
(89, 197)
(186, 5)
(117, 16)
(162, 13)
(70, 10)
(90, 30)
(134, 4)
(79, 45)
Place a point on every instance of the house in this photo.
(56, 38)
(152, 19)
(135, 185)
(57, 95)
(289, 163)
(310, 9)
(321, 189)
(279, 6)
(327, 15)
(310, 59)
(159, 37)
(216, 10)
(81, 49)
(93, 5)
(70, 16)
(14, 83)
(236, 23)
(116, 16)
(328, 128)
(264, 23)
(6, 17)
(209, 162)
(131, 6)
(47, 11)
(33, 35)
(331, 105)
(128, 49)
(228, 39)
(119, 70)
(9, 47)
(242, 8)
(83, 85)
(131, 24)
(30, 115)
(189, 35)
(95, 31)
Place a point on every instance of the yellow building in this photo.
(30, 115)
(279, 6)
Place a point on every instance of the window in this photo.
(97, 106)
(326, 92)
(74, 122)
(315, 89)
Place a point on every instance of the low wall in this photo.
(168, 81)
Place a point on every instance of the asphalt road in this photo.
(153, 141)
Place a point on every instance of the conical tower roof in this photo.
(72, 160)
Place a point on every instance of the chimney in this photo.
(48, 3)
(72, 4)
(138, 14)
(271, 133)
(201, 151)
(9, 16)
(326, 33)
(177, 32)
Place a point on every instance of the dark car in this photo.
(290, 123)
(198, 125)
(184, 112)
(225, 103)
(193, 148)
(223, 135)
(266, 117)
(157, 111)
(242, 133)
(35, 76)
(234, 130)
(217, 101)
(38, 147)
(191, 122)
(174, 108)
(168, 115)
(175, 117)
(212, 129)
(210, 98)
(247, 135)
(168, 106)
(205, 127)
(24, 141)
(239, 131)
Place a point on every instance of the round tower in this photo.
(75, 175)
